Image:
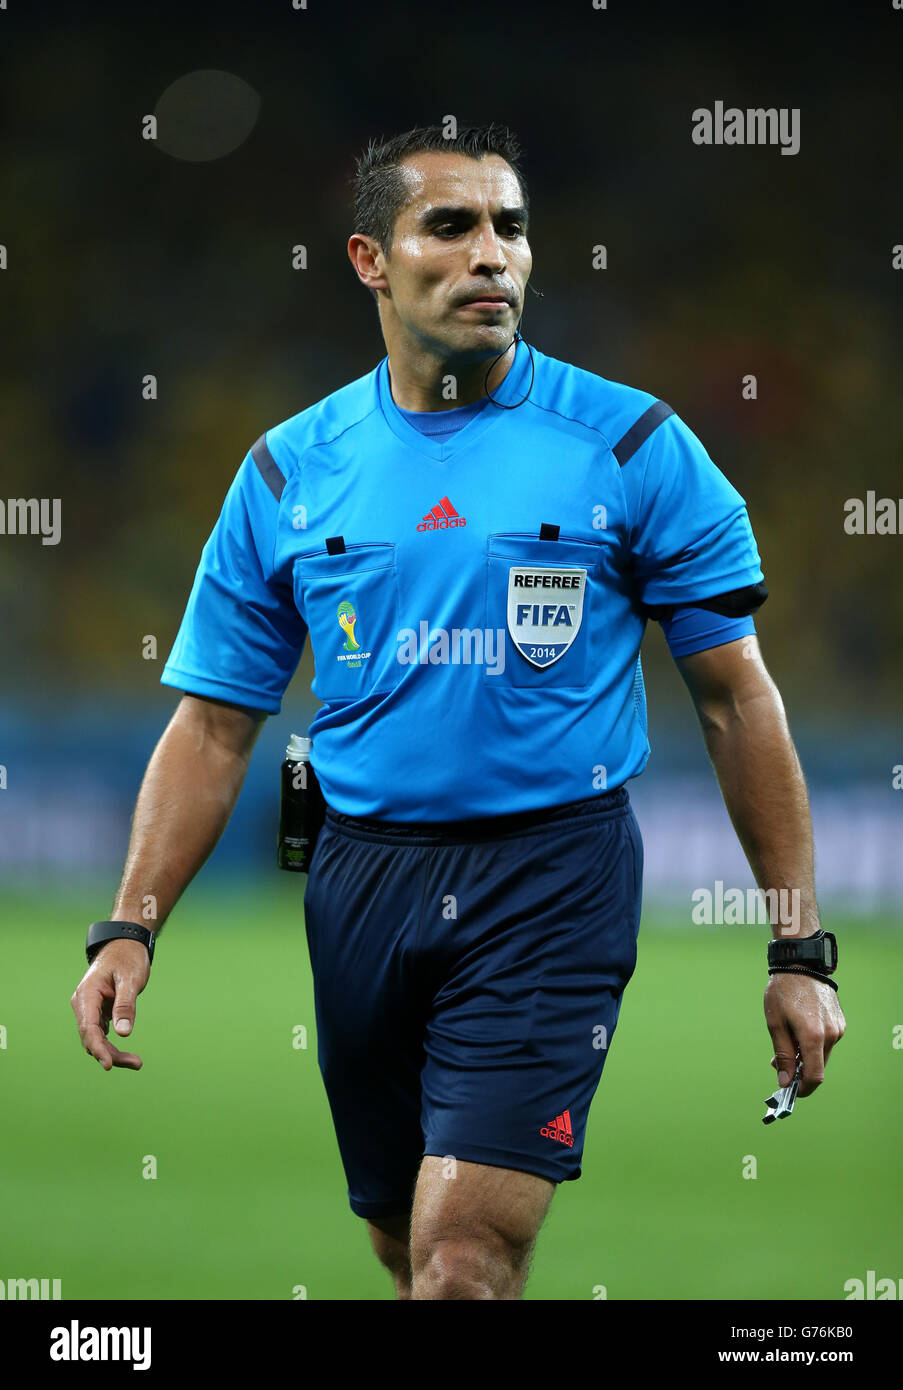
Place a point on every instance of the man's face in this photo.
(459, 260)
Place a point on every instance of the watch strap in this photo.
(804, 970)
(99, 933)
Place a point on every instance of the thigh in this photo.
(523, 1022)
(500, 1209)
(361, 920)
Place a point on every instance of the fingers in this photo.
(803, 1018)
(821, 1027)
(784, 1059)
(124, 1003)
(108, 992)
(107, 1055)
(130, 1060)
(88, 1005)
(835, 1026)
(812, 1071)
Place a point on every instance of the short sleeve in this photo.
(690, 630)
(689, 533)
(241, 637)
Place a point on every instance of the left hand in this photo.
(803, 1016)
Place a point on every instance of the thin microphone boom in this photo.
(517, 334)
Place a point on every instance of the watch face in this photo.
(819, 951)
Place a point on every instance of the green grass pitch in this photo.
(249, 1201)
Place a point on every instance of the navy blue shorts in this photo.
(467, 980)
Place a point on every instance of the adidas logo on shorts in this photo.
(560, 1129)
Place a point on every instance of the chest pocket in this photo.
(541, 594)
(350, 604)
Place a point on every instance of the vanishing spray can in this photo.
(302, 808)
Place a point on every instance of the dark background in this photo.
(126, 260)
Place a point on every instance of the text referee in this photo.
(474, 536)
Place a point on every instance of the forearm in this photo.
(188, 793)
(761, 780)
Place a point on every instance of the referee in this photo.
(474, 536)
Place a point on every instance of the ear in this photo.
(368, 259)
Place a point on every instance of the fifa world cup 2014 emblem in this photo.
(347, 619)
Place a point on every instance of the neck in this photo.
(421, 382)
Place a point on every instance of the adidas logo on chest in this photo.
(441, 517)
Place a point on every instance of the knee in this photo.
(400, 1270)
(390, 1244)
(463, 1267)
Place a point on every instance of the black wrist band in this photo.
(803, 970)
(99, 933)
(815, 952)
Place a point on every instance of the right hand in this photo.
(803, 1016)
(108, 991)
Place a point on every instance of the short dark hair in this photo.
(379, 187)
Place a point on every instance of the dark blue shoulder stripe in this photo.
(637, 435)
(267, 467)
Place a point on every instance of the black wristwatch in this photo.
(99, 933)
(817, 953)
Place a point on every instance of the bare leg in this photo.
(390, 1237)
(472, 1236)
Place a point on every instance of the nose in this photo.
(488, 255)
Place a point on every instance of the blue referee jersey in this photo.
(475, 602)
